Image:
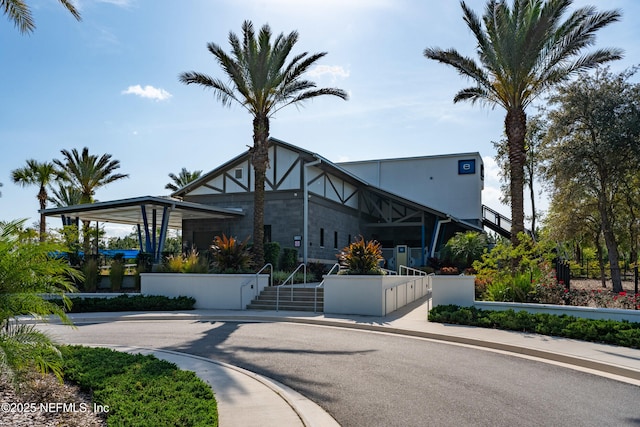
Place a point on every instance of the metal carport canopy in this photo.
(130, 211)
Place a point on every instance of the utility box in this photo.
(401, 255)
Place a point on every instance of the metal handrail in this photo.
(319, 285)
(304, 267)
(270, 275)
(415, 271)
(389, 272)
(257, 277)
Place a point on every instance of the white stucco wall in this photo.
(433, 181)
(371, 295)
(211, 291)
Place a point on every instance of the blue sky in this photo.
(110, 83)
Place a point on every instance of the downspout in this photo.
(434, 238)
(305, 215)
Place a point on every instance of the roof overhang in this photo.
(131, 211)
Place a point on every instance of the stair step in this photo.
(304, 299)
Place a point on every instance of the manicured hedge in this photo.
(131, 303)
(622, 333)
(140, 390)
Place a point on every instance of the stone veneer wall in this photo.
(284, 211)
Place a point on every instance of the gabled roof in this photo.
(130, 211)
(327, 166)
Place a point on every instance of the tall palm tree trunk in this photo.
(515, 126)
(42, 200)
(260, 160)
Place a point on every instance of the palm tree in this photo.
(182, 179)
(524, 50)
(65, 195)
(87, 172)
(262, 82)
(27, 272)
(40, 174)
(20, 13)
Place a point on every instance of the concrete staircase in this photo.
(303, 299)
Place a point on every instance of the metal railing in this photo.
(291, 276)
(320, 285)
(413, 271)
(257, 276)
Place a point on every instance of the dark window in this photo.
(238, 173)
(335, 240)
(267, 233)
(348, 239)
(322, 237)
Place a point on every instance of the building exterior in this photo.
(451, 183)
(319, 207)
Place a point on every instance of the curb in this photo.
(310, 413)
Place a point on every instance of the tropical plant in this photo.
(467, 247)
(86, 173)
(40, 175)
(27, 271)
(262, 82)
(20, 14)
(510, 272)
(190, 262)
(230, 255)
(361, 258)
(524, 50)
(182, 179)
(65, 195)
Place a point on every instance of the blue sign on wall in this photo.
(466, 167)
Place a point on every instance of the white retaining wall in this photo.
(460, 290)
(371, 295)
(211, 291)
(558, 310)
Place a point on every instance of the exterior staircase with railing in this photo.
(293, 298)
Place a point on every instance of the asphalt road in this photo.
(373, 379)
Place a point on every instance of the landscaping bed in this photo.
(107, 387)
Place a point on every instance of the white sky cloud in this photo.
(147, 92)
(333, 71)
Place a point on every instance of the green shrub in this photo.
(280, 276)
(517, 288)
(130, 303)
(90, 271)
(272, 253)
(603, 331)
(140, 390)
(315, 271)
(289, 259)
(361, 258)
(116, 274)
